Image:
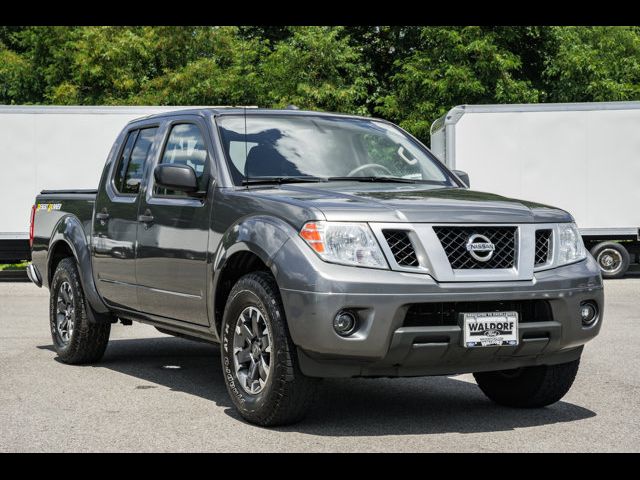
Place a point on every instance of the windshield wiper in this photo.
(280, 180)
(371, 179)
(312, 179)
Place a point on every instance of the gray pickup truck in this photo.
(314, 245)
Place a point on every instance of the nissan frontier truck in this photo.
(313, 245)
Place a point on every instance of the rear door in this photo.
(173, 230)
(116, 220)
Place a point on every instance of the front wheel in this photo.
(76, 340)
(259, 361)
(528, 387)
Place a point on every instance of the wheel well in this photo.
(60, 250)
(236, 266)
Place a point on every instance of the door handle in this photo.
(102, 216)
(146, 218)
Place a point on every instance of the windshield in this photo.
(324, 148)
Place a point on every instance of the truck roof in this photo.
(235, 110)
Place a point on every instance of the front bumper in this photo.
(382, 346)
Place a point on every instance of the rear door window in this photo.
(131, 163)
(123, 160)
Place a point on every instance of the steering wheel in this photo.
(369, 165)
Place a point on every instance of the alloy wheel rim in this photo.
(252, 350)
(65, 312)
(610, 260)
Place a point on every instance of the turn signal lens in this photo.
(311, 233)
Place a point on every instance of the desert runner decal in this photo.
(49, 206)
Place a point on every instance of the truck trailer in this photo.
(54, 146)
(581, 157)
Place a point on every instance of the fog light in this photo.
(345, 323)
(588, 313)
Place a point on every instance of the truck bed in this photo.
(52, 209)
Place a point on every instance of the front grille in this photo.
(454, 241)
(439, 314)
(401, 247)
(543, 246)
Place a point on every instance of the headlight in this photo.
(344, 243)
(570, 245)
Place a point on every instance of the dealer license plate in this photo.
(490, 329)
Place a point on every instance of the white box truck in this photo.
(583, 157)
(53, 147)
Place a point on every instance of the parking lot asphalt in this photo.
(153, 392)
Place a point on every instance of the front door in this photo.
(116, 221)
(173, 232)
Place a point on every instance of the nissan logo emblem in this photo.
(480, 247)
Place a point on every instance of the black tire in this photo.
(87, 341)
(604, 251)
(287, 394)
(528, 387)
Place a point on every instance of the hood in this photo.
(415, 203)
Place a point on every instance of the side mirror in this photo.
(176, 177)
(464, 176)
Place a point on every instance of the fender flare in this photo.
(70, 231)
(261, 235)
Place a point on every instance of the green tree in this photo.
(532, 45)
(269, 34)
(456, 65)
(383, 51)
(32, 59)
(594, 64)
(316, 68)
(15, 81)
(225, 71)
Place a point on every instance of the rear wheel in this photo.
(528, 387)
(76, 340)
(259, 359)
(613, 259)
